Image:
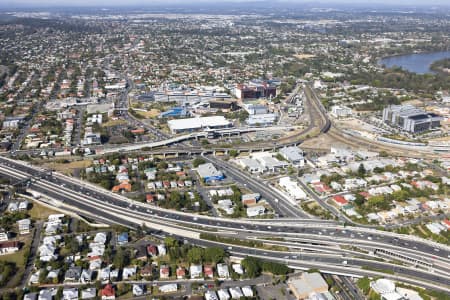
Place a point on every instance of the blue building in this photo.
(122, 238)
(174, 112)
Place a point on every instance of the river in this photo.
(418, 62)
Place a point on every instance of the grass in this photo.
(67, 168)
(40, 212)
(114, 123)
(19, 257)
(153, 113)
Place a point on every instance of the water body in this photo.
(418, 63)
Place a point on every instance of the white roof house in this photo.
(236, 292)
(70, 294)
(238, 269)
(195, 271)
(211, 295)
(222, 271)
(128, 272)
(223, 294)
(88, 293)
(255, 211)
(168, 288)
(247, 291)
(138, 290)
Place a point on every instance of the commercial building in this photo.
(208, 172)
(341, 111)
(294, 155)
(292, 188)
(410, 118)
(195, 124)
(255, 89)
(261, 119)
(308, 284)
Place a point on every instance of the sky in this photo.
(106, 3)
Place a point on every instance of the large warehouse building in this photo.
(194, 124)
(410, 118)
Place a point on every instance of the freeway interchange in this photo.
(311, 243)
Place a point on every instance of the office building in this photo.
(410, 118)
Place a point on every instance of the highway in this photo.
(111, 208)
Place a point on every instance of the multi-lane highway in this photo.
(106, 207)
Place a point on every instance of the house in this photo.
(122, 238)
(89, 293)
(53, 274)
(9, 247)
(128, 272)
(24, 226)
(255, 211)
(161, 250)
(208, 271)
(30, 296)
(147, 271)
(152, 250)
(181, 273)
(95, 263)
(4, 236)
(247, 291)
(168, 288)
(237, 268)
(164, 272)
(23, 205)
(222, 271)
(73, 274)
(250, 199)
(34, 278)
(340, 200)
(100, 237)
(235, 292)
(195, 271)
(108, 293)
(223, 294)
(211, 295)
(149, 198)
(104, 274)
(114, 274)
(138, 290)
(86, 276)
(47, 294)
(70, 294)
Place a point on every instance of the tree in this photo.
(195, 255)
(214, 254)
(233, 153)
(252, 266)
(361, 170)
(198, 161)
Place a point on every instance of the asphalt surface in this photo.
(87, 199)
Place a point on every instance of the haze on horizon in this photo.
(144, 3)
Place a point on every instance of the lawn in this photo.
(67, 168)
(40, 212)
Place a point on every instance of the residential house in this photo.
(222, 271)
(108, 292)
(164, 272)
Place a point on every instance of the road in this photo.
(115, 209)
(282, 206)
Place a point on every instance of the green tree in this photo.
(195, 255)
(214, 254)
